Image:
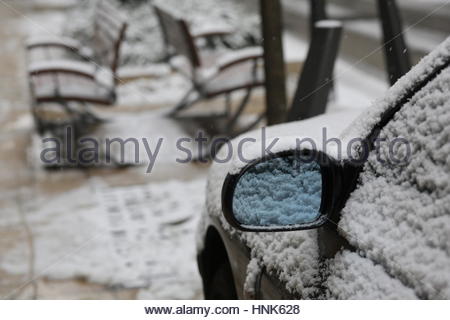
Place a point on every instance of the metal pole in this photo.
(271, 21)
(397, 57)
(317, 12)
(315, 81)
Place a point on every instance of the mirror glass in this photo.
(279, 192)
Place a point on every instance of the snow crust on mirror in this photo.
(280, 192)
(399, 215)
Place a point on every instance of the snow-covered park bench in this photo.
(211, 74)
(64, 72)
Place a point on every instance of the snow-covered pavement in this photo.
(127, 237)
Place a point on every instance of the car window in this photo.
(398, 217)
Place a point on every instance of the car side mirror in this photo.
(284, 192)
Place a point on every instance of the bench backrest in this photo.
(177, 37)
(109, 33)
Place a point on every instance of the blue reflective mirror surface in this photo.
(279, 192)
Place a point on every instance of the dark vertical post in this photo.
(317, 12)
(315, 81)
(271, 21)
(396, 54)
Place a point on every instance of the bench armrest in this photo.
(212, 31)
(64, 66)
(239, 56)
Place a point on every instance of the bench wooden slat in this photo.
(60, 86)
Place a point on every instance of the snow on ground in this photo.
(125, 237)
(163, 90)
(350, 91)
(132, 237)
(149, 125)
(147, 140)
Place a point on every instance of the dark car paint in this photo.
(269, 287)
(266, 286)
(238, 256)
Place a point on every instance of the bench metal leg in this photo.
(229, 129)
(69, 132)
(233, 120)
(228, 104)
(70, 135)
(186, 101)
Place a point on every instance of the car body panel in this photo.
(238, 256)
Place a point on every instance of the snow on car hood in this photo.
(320, 129)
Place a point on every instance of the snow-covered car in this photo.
(363, 213)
